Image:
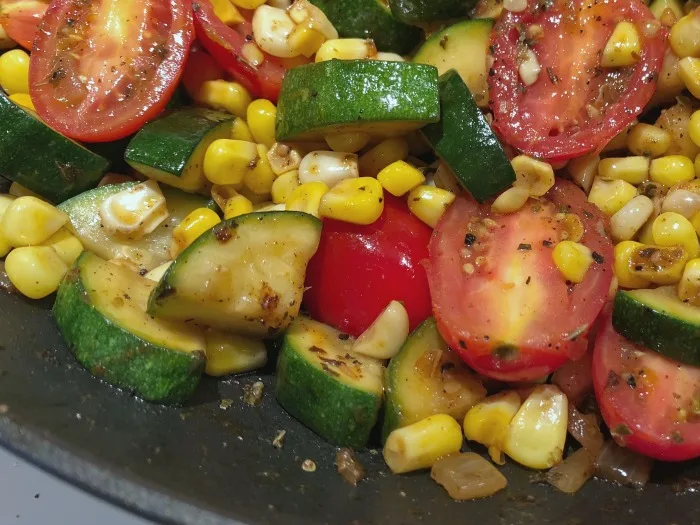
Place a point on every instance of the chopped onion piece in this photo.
(349, 467)
(623, 466)
(572, 473)
(468, 476)
(586, 430)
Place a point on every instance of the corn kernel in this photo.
(221, 193)
(305, 40)
(200, 68)
(233, 354)
(611, 196)
(658, 264)
(17, 190)
(283, 158)
(386, 335)
(5, 201)
(429, 203)
(537, 433)
(248, 4)
(195, 224)
(572, 259)
(634, 170)
(66, 245)
(685, 36)
(400, 177)
(619, 141)
(224, 95)
(689, 71)
(623, 257)
(272, 28)
(645, 235)
(237, 206)
(347, 142)
(511, 200)
(421, 444)
(261, 178)
(534, 175)
(689, 285)
(346, 49)
(24, 100)
(357, 201)
(488, 422)
(135, 211)
(379, 157)
(307, 198)
(583, 170)
(623, 48)
(694, 128)
(284, 185)
(302, 11)
(329, 167)
(241, 131)
(261, 121)
(647, 140)
(671, 170)
(671, 229)
(14, 71)
(625, 224)
(227, 12)
(36, 271)
(30, 221)
(230, 161)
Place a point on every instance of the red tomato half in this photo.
(225, 45)
(498, 298)
(575, 106)
(20, 19)
(101, 69)
(358, 270)
(649, 402)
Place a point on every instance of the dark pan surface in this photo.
(207, 464)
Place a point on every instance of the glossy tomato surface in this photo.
(498, 298)
(225, 44)
(101, 69)
(20, 19)
(358, 270)
(575, 106)
(649, 402)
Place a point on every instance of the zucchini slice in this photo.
(421, 11)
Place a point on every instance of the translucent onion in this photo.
(623, 466)
(685, 202)
(586, 430)
(468, 476)
(572, 473)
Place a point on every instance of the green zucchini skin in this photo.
(113, 353)
(384, 98)
(41, 159)
(418, 11)
(370, 19)
(464, 140)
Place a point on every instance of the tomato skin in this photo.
(641, 393)
(513, 317)
(85, 89)
(358, 270)
(225, 45)
(544, 119)
(20, 19)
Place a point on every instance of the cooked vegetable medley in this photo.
(473, 226)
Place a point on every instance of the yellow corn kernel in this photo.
(685, 36)
(386, 335)
(229, 161)
(429, 203)
(358, 201)
(284, 185)
(623, 257)
(67, 246)
(261, 178)
(24, 100)
(221, 193)
(380, 156)
(537, 433)
(233, 354)
(623, 48)
(671, 170)
(36, 271)
(30, 221)
(511, 200)
(611, 195)
(236, 206)
(647, 140)
(634, 170)
(248, 4)
(14, 71)
(5, 201)
(488, 422)
(658, 264)
(346, 49)
(689, 71)
(421, 444)
(17, 190)
(694, 129)
(307, 198)
(227, 12)
(241, 131)
(269, 206)
(157, 273)
(261, 121)
(304, 11)
(252, 55)
(224, 95)
(534, 175)
(195, 224)
(671, 229)
(305, 40)
(400, 177)
(689, 285)
(347, 142)
(583, 170)
(572, 259)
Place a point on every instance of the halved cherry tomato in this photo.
(225, 45)
(649, 402)
(358, 270)
(575, 106)
(20, 19)
(498, 298)
(101, 69)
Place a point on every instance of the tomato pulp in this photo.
(20, 19)
(101, 69)
(358, 270)
(575, 106)
(498, 298)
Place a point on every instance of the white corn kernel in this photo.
(386, 335)
(329, 167)
(515, 6)
(283, 158)
(271, 30)
(629, 219)
(683, 201)
(529, 68)
(304, 11)
(134, 212)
